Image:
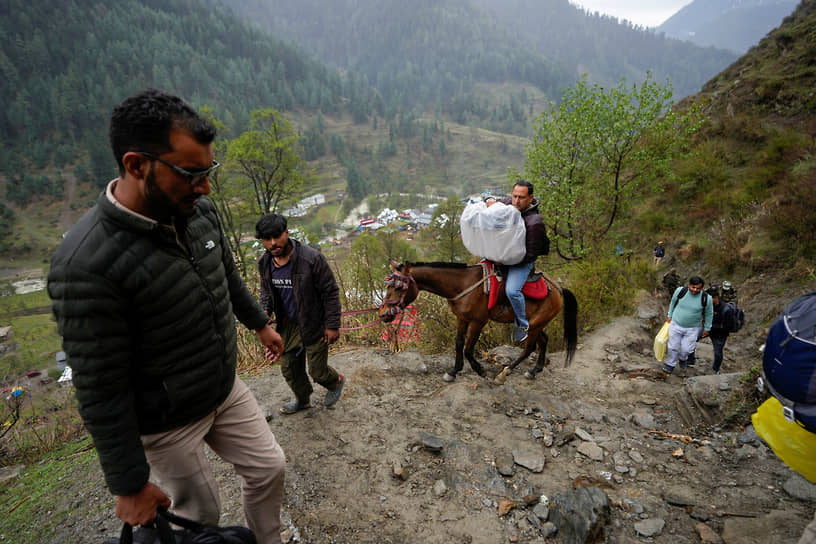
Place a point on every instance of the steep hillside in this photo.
(735, 25)
(63, 67)
(424, 43)
(605, 47)
(743, 202)
(416, 53)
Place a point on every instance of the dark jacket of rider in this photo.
(536, 240)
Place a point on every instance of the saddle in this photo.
(535, 287)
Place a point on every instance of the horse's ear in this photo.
(395, 266)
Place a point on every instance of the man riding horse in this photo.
(536, 242)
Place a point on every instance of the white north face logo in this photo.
(210, 244)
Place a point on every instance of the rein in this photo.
(358, 312)
(472, 287)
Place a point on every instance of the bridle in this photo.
(401, 283)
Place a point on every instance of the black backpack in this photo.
(682, 293)
(733, 317)
(193, 532)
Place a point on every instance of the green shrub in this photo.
(607, 287)
(791, 221)
(655, 219)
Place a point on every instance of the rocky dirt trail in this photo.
(620, 452)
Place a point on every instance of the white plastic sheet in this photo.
(496, 233)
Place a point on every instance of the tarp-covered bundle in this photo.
(496, 233)
(789, 361)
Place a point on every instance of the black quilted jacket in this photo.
(147, 315)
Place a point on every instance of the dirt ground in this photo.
(361, 472)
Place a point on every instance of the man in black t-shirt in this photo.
(299, 289)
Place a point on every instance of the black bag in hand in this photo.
(193, 532)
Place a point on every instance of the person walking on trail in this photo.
(689, 308)
(659, 252)
(145, 294)
(537, 244)
(719, 329)
(299, 289)
(729, 294)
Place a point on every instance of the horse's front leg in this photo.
(461, 329)
(529, 347)
(543, 339)
(474, 331)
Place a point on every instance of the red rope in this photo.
(357, 312)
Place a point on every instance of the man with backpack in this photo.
(729, 294)
(689, 308)
(720, 326)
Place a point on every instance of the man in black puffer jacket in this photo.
(146, 293)
(298, 288)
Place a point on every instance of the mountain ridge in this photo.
(735, 25)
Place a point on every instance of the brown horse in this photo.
(461, 286)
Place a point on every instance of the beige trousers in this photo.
(238, 432)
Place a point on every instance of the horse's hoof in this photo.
(447, 377)
(501, 377)
(529, 375)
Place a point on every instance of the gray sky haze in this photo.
(649, 13)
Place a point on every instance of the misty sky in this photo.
(641, 12)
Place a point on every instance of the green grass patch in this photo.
(43, 497)
(14, 304)
(33, 330)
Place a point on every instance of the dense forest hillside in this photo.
(432, 44)
(606, 48)
(735, 25)
(420, 53)
(63, 65)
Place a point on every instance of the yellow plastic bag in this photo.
(790, 442)
(661, 341)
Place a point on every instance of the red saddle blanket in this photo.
(533, 289)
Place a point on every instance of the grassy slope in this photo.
(36, 503)
(737, 203)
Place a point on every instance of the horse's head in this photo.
(400, 291)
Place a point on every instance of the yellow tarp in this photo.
(792, 443)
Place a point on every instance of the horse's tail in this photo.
(570, 324)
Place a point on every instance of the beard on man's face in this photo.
(160, 202)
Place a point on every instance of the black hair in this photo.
(271, 225)
(142, 122)
(696, 280)
(525, 183)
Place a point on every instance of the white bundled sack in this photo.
(496, 233)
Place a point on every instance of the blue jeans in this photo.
(719, 343)
(516, 276)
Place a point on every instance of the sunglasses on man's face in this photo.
(194, 178)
